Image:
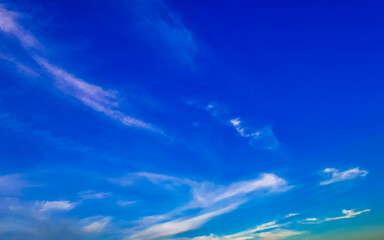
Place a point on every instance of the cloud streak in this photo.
(269, 230)
(337, 176)
(55, 206)
(209, 197)
(279, 234)
(10, 27)
(205, 194)
(179, 225)
(93, 96)
(346, 214)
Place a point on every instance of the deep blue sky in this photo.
(191, 120)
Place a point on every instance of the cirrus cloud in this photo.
(337, 176)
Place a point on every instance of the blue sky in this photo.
(199, 120)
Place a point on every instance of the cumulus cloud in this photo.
(263, 138)
(336, 176)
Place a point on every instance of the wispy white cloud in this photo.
(269, 230)
(91, 95)
(213, 108)
(279, 234)
(93, 195)
(179, 225)
(96, 224)
(346, 214)
(21, 68)
(252, 233)
(311, 221)
(158, 179)
(291, 215)
(10, 26)
(54, 206)
(337, 176)
(12, 184)
(122, 203)
(209, 237)
(204, 195)
(263, 138)
(97, 98)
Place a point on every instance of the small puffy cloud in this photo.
(263, 138)
(337, 176)
(97, 224)
(55, 206)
